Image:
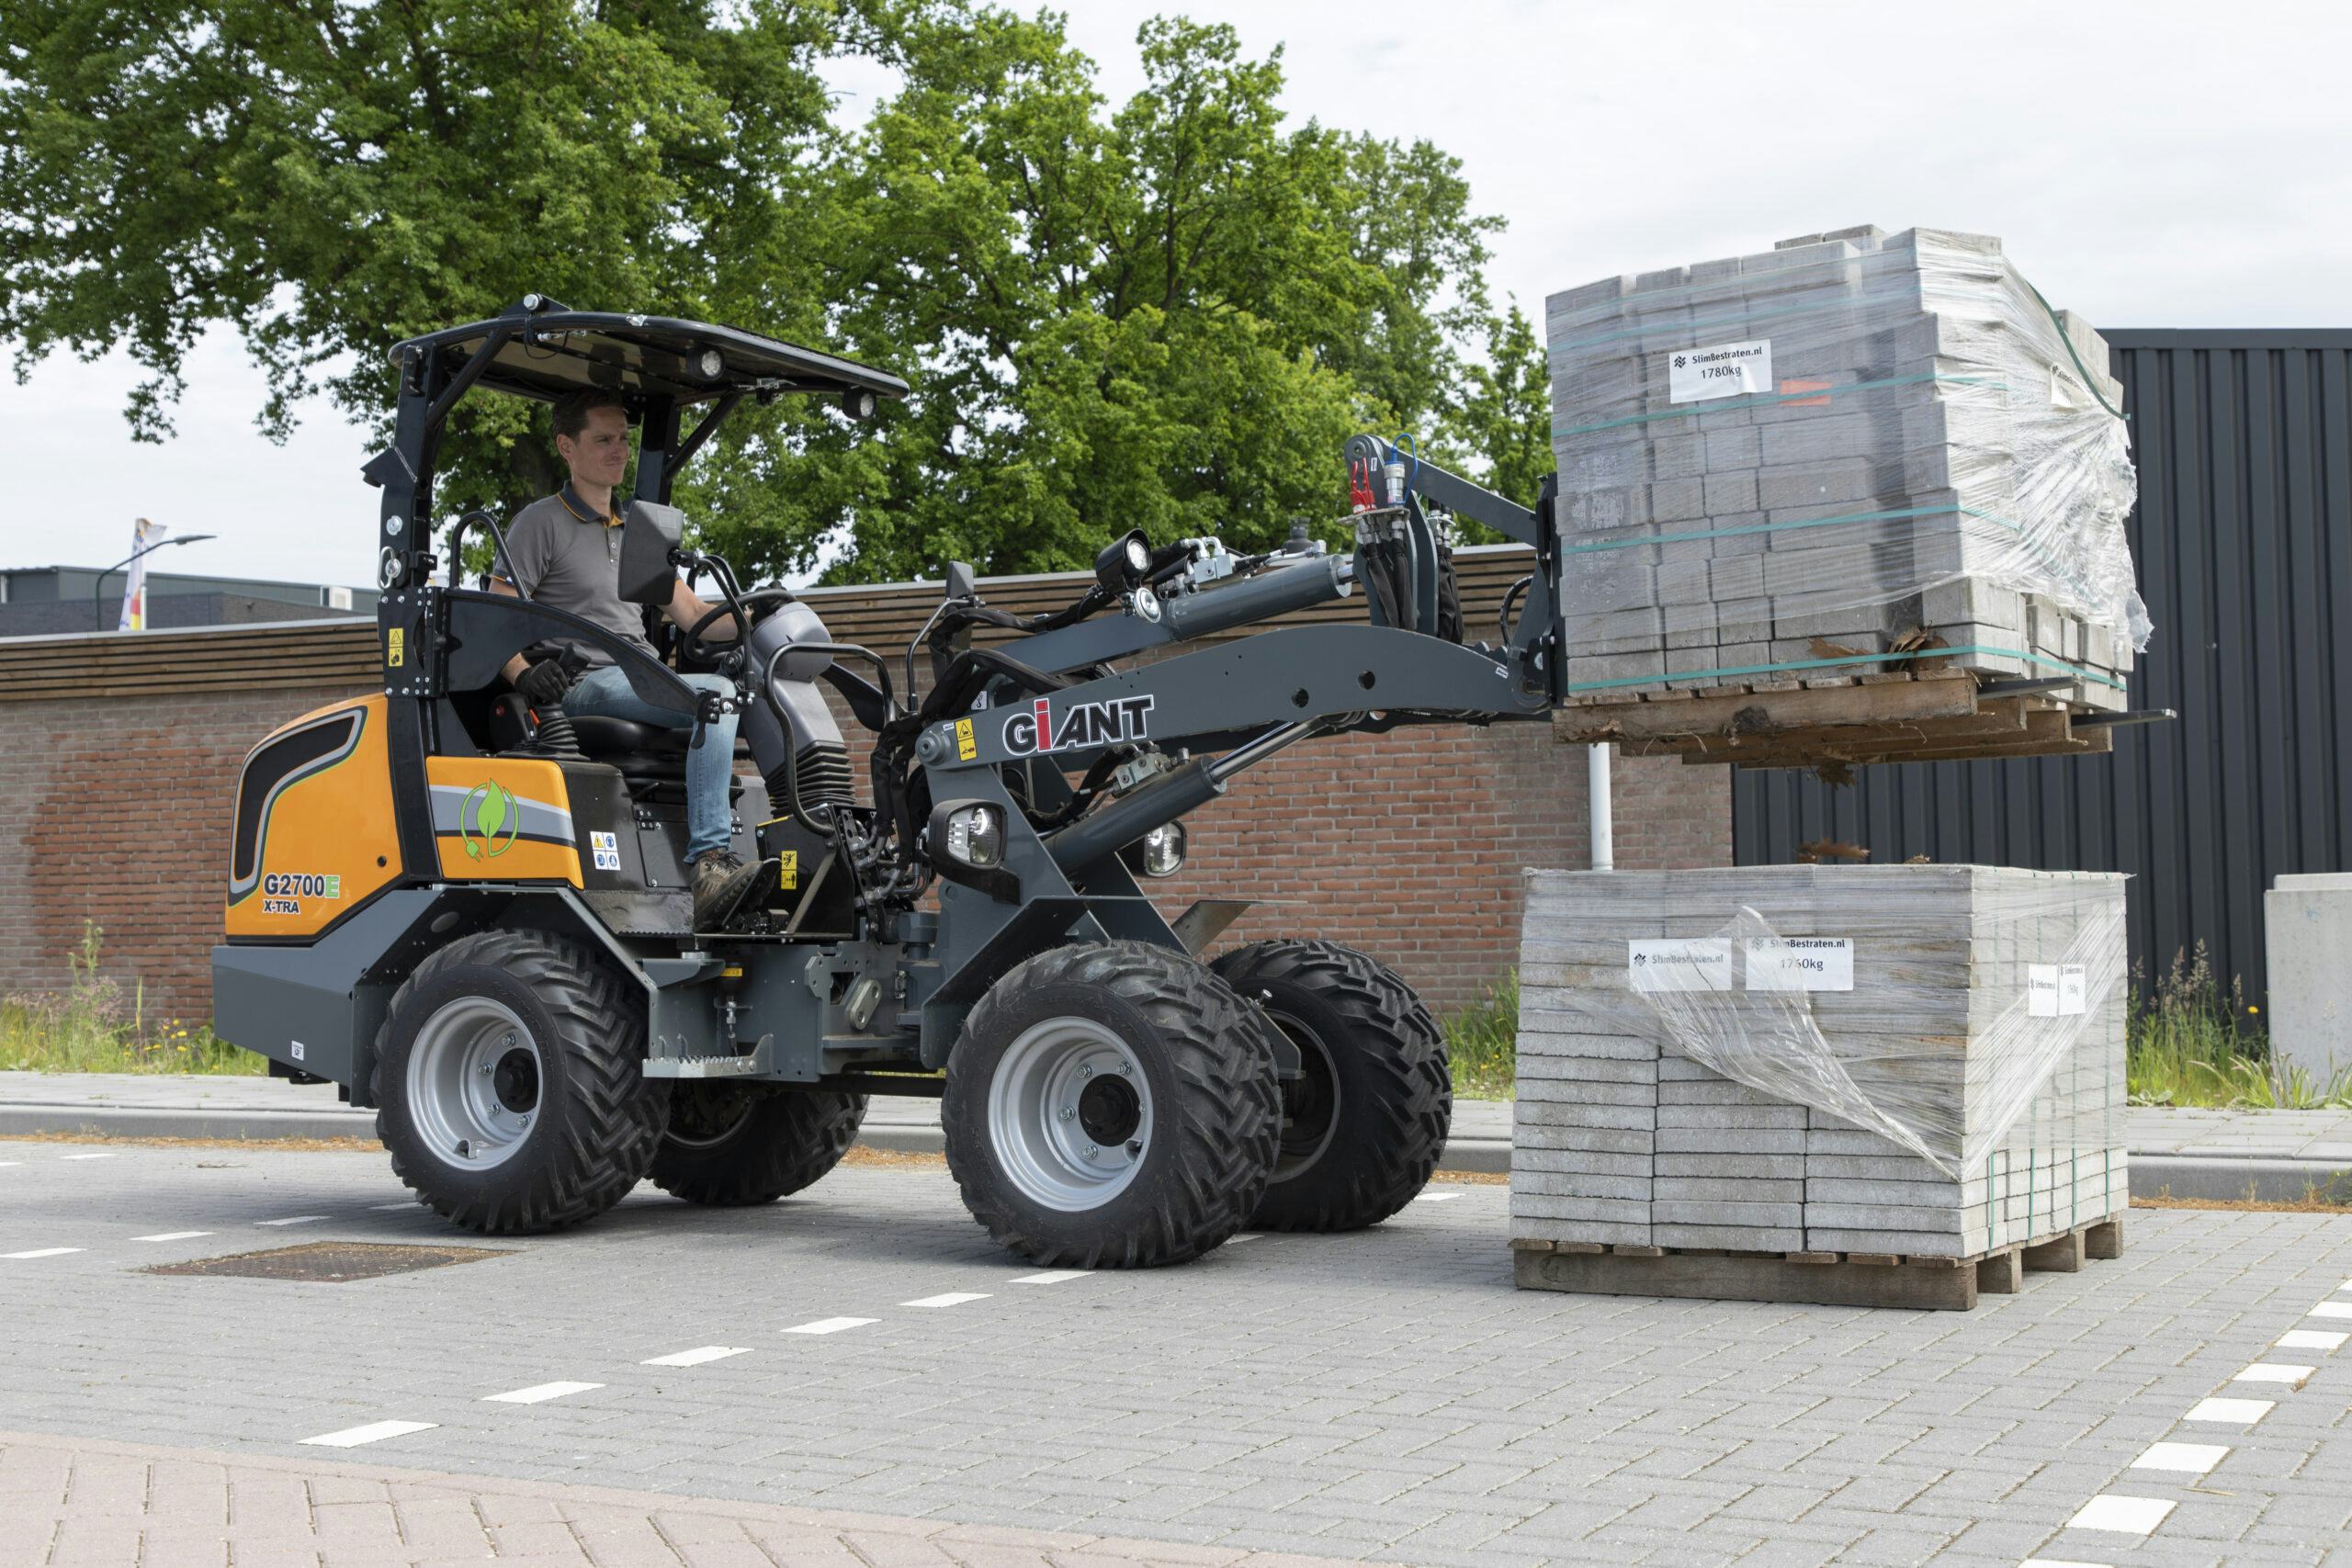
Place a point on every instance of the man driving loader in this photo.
(563, 550)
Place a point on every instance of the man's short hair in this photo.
(572, 410)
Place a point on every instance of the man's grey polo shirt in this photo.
(562, 554)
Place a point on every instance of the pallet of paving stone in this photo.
(1910, 716)
(1824, 1279)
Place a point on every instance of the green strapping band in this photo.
(2048, 663)
(1774, 399)
(2088, 380)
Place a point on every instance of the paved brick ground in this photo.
(1386, 1395)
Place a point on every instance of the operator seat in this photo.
(647, 752)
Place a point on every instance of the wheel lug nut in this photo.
(1086, 1072)
(1069, 1111)
(1091, 1151)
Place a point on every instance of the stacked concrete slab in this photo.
(1986, 1016)
(1916, 449)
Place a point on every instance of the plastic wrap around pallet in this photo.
(1745, 1011)
(1807, 459)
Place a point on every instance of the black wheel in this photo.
(508, 1086)
(1365, 1118)
(730, 1144)
(1111, 1106)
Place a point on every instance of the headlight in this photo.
(712, 363)
(1163, 850)
(976, 836)
(1124, 562)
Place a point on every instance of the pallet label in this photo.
(1684, 964)
(1719, 370)
(1801, 963)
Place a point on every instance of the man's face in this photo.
(599, 454)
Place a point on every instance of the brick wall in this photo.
(1409, 845)
(119, 808)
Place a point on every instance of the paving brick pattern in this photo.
(1384, 1396)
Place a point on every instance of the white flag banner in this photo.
(143, 536)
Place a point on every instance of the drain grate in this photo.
(332, 1262)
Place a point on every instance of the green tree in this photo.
(1501, 431)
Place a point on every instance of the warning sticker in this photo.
(1801, 963)
(967, 745)
(1689, 963)
(1719, 370)
(395, 647)
(607, 848)
(787, 867)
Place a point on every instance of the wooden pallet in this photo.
(1829, 1278)
(1850, 720)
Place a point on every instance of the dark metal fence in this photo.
(2243, 538)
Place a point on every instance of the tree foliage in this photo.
(1167, 313)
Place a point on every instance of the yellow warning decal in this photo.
(787, 867)
(968, 746)
(395, 646)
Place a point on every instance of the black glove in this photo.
(544, 683)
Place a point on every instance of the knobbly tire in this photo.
(1111, 1106)
(731, 1144)
(508, 1085)
(1366, 1118)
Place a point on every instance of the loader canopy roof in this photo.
(549, 351)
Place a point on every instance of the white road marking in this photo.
(1436, 1197)
(171, 1235)
(539, 1392)
(697, 1357)
(291, 1220)
(2330, 1309)
(831, 1325)
(43, 1252)
(388, 1208)
(86, 1157)
(2235, 1412)
(11, 1162)
(2125, 1516)
(2275, 1371)
(952, 1298)
(1052, 1277)
(2188, 1459)
(374, 1432)
(1245, 1235)
(2311, 1340)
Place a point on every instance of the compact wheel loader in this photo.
(472, 915)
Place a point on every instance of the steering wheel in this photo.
(756, 601)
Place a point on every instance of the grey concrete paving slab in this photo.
(1384, 1396)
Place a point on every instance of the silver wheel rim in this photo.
(1061, 1085)
(474, 1081)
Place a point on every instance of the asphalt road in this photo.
(864, 1350)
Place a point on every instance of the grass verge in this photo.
(94, 1026)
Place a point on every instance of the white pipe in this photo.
(1604, 827)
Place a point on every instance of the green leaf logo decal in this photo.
(489, 820)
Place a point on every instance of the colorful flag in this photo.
(144, 538)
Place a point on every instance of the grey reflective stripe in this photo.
(548, 824)
(358, 721)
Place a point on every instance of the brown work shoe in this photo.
(725, 888)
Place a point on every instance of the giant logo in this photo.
(1033, 730)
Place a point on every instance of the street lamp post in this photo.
(98, 593)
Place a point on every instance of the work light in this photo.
(712, 363)
(1125, 562)
(1163, 850)
(976, 836)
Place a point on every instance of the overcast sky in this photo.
(2149, 165)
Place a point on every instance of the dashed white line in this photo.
(1245, 1235)
(949, 1298)
(2311, 1340)
(2232, 1411)
(374, 1432)
(388, 1208)
(86, 1157)
(1435, 1197)
(43, 1252)
(831, 1325)
(11, 1162)
(2185, 1458)
(2276, 1371)
(2125, 1516)
(2330, 1309)
(697, 1357)
(1052, 1277)
(291, 1220)
(538, 1394)
(171, 1235)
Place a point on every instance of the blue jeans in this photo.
(710, 767)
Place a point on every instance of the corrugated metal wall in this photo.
(2244, 541)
